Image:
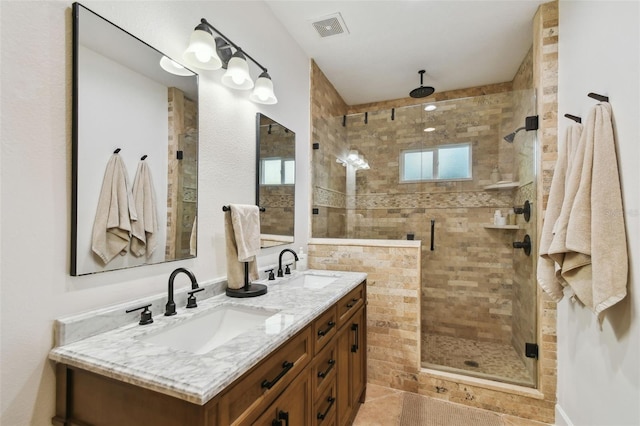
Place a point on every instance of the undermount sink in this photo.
(313, 281)
(204, 333)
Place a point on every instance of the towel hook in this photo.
(574, 118)
(144, 157)
(598, 97)
(116, 151)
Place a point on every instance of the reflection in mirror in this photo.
(137, 206)
(276, 148)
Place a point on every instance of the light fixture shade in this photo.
(201, 52)
(237, 75)
(263, 90)
(353, 155)
(171, 66)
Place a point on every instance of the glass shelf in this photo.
(492, 226)
(503, 185)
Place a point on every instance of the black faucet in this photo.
(170, 307)
(280, 274)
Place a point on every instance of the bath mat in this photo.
(422, 411)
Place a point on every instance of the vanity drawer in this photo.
(324, 328)
(324, 408)
(323, 369)
(350, 303)
(253, 392)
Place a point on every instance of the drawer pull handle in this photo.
(352, 303)
(354, 347)
(284, 415)
(323, 374)
(330, 324)
(286, 366)
(330, 400)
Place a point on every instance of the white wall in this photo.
(36, 170)
(139, 129)
(598, 370)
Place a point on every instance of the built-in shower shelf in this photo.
(503, 185)
(492, 226)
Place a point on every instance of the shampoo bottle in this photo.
(301, 264)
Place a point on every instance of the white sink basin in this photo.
(209, 331)
(313, 281)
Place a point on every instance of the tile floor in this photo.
(489, 360)
(383, 407)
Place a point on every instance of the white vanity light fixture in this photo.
(237, 75)
(171, 66)
(209, 53)
(202, 52)
(263, 90)
(356, 160)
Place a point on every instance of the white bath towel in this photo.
(242, 234)
(549, 266)
(112, 224)
(596, 267)
(144, 230)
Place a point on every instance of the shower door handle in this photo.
(433, 236)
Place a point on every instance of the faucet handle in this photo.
(287, 270)
(191, 300)
(145, 315)
(272, 276)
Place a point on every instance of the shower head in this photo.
(511, 136)
(421, 91)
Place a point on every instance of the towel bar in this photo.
(228, 208)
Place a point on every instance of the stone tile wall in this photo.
(278, 200)
(182, 186)
(393, 311)
(329, 181)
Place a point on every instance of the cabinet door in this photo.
(292, 407)
(358, 352)
(351, 366)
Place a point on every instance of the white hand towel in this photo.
(145, 228)
(597, 267)
(548, 267)
(242, 233)
(112, 224)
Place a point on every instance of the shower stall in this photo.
(438, 172)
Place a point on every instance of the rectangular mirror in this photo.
(131, 99)
(275, 172)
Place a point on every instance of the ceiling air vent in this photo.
(330, 25)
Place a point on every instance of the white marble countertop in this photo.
(121, 354)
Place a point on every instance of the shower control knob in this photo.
(524, 244)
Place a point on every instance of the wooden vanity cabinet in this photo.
(318, 377)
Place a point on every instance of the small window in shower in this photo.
(277, 171)
(444, 162)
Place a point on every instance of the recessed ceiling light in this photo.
(430, 107)
(429, 129)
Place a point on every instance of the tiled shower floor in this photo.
(494, 361)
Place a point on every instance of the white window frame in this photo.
(435, 150)
(283, 160)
